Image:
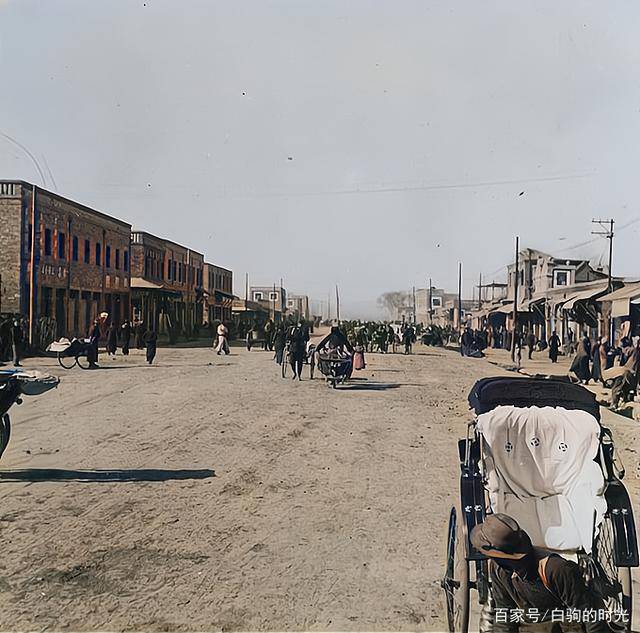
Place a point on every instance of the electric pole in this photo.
(607, 232)
(514, 334)
(430, 302)
(480, 293)
(337, 304)
(460, 296)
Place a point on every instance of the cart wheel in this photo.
(284, 365)
(614, 582)
(312, 365)
(456, 578)
(66, 362)
(83, 362)
(5, 432)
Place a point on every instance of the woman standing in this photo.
(554, 347)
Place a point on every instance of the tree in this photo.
(392, 302)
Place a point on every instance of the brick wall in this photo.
(10, 234)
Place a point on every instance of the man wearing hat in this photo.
(532, 586)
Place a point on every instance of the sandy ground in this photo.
(208, 493)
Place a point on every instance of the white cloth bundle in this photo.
(541, 472)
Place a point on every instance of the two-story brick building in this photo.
(62, 263)
(166, 285)
(218, 286)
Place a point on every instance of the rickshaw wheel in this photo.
(66, 362)
(83, 362)
(617, 580)
(456, 578)
(284, 365)
(5, 432)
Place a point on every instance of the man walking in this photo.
(18, 342)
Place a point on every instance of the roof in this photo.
(84, 207)
(145, 284)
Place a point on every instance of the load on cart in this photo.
(538, 459)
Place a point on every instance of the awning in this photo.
(505, 309)
(585, 295)
(622, 299)
(138, 283)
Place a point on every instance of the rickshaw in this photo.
(309, 359)
(537, 451)
(72, 353)
(13, 385)
(335, 368)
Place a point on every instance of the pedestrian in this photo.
(297, 339)
(94, 340)
(554, 347)
(112, 340)
(279, 343)
(18, 342)
(151, 344)
(580, 364)
(531, 343)
(222, 344)
(125, 335)
(596, 367)
(407, 338)
(268, 335)
(606, 359)
(140, 331)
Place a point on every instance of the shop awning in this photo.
(139, 283)
(622, 299)
(585, 295)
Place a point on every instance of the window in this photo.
(273, 296)
(560, 277)
(61, 246)
(117, 259)
(174, 270)
(74, 248)
(107, 256)
(98, 254)
(126, 261)
(87, 251)
(257, 296)
(436, 302)
(47, 241)
(30, 238)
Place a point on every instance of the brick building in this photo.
(166, 285)
(80, 260)
(272, 298)
(218, 286)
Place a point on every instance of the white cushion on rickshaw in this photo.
(540, 471)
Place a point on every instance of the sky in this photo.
(370, 144)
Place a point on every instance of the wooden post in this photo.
(430, 301)
(32, 271)
(337, 304)
(460, 297)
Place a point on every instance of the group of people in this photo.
(597, 362)
(145, 338)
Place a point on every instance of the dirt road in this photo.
(208, 493)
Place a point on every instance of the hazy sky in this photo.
(370, 144)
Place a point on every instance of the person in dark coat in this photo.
(18, 342)
(408, 336)
(596, 368)
(297, 339)
(335, 340)
(112, 340)
(125, 335)
(279, 343)
(140, 332)
(531, 582)
(531, 343)
(554, 347)
(94, 340)
(580, 364)
(150, 343)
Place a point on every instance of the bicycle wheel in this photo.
(456, 578)
(285, 364)
(611, 582)
(5, 432)
(66, 362)
(83, 362)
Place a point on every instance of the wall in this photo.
(10, 239)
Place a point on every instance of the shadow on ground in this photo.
(99, 476)
(369, 386)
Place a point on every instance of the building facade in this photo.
(272, 298)
(62, 263)
(167, 291)
(218, 286)
(298, 306)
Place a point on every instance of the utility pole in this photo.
(460, 297)
(430, 301)
(246, 289)
(414, 306)
(607, 225)
(32, 270)
(274, 302)
(480, 293)
(337, 304)
(515, 303)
